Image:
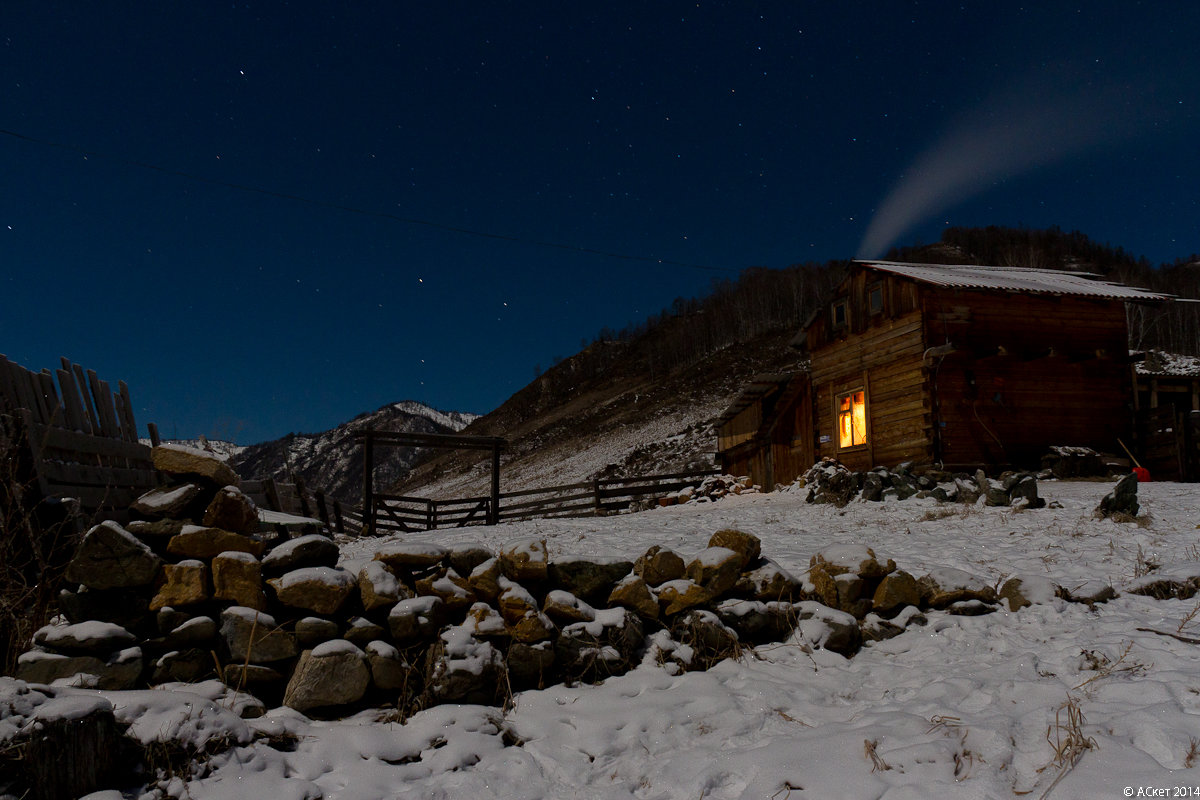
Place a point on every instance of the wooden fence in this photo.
(81, 436)
(296, 498)
(398, 513)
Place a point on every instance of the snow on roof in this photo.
(1016, 279)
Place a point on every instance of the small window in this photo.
(875, 299)
(852, 419)
(839, 313)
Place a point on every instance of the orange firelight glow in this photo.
(852, 419)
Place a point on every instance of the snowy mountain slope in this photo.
(333, 462)
(214, 447)
(581, 420)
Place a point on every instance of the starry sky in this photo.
(269, 217)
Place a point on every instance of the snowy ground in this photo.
(970, 707)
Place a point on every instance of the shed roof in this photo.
(1017, 279)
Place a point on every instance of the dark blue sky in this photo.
(719, 135)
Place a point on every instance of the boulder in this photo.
(156, 533)
(167, 501)
(231, 510)
(117, 671)
(897, 590)
(312, 631)
(408, 556)
(186, 584)
(676, 596)
(129, 608)
(855, 558)
(485, 622)
(1024, 493)
(463, 559)
(312, 550)
(564, 608)
(321, 590)
(380, 588)
(944, 587)
(591, 579)
(188, 665)
(362, 631)
(633, 593)
(84, 638)
(525, 560)
(756, 621)
(533, 627)
(390, 671)
(530, 666)
(515, 602)
(448, 585)
(195, 632)
(765, 580)
(1122, 502)
(746, 545)
(109, 557)
(827, 628)
(1026, 591)
(485, 580)
(462, 669)
(717, 569)
(659, 565)
(872, 488)
(175, 459)
(253, 676)
(415, 620)
(608, 645)
(237, 579)
(710, 639)
(335, 673)
(253, 636)
(206, 543)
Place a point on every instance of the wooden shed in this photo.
(956, 365)
(767, 432)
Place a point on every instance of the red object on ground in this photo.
(1142, 473)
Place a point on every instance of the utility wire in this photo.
(241, 187)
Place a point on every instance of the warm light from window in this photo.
(852, 419)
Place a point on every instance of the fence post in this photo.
(596, 492)
(300, 488)
(430, 514)
(322, 511)
(337, 516)
(368, 489)
(271, 493)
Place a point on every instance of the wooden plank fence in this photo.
(81, 436)
(298, 499)
(398, 513)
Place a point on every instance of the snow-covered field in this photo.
(972, 707)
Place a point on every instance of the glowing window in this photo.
(852, 419)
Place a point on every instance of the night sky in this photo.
(271, 217)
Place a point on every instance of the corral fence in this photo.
(74, 438)
(398, 513)
(298, 499)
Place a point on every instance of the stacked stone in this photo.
(830, 482)
(714, 487)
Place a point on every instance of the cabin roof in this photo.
(1026, 280)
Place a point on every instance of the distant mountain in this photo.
(333, 462)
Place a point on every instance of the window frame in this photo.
(871, 290)
(844, 304)
(838, 415)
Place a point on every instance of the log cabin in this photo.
(949, 365)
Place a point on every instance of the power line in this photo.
(241, 187)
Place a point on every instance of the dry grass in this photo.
(1193, 754)
(877, 762)
(1068, 741)
(1106, 667)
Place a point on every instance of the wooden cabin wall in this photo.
(1026, 375)
(1025, 325)
(741, 428)
(885, 359)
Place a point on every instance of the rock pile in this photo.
(712, 488)
(830, 482)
